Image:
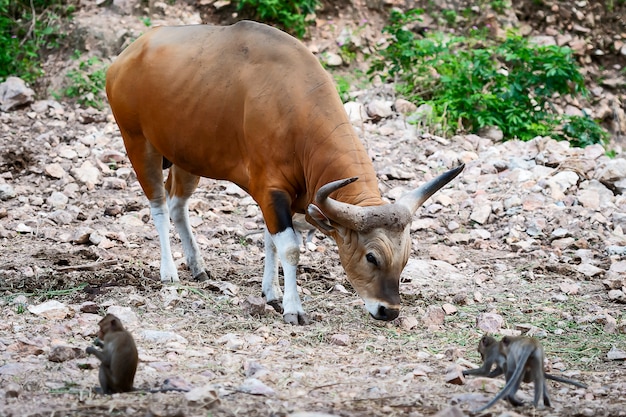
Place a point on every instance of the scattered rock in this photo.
(205, 395)
(434, 316)
(489, 322)
(454, 375)
(340, 339)
(255, 387)
(64, 353)
(14, 93)
(254, 306)
(616, 354)
(51, 310)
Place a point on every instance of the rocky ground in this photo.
(528, 240)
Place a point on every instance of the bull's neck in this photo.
(339, 154)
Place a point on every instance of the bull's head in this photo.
(373, 242)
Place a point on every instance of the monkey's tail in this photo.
(565, 381)
(515, 380)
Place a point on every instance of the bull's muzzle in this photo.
(386, 313)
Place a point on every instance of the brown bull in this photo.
(250, 104)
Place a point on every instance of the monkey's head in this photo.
(486, 342)
(110, 323)
(505, 344)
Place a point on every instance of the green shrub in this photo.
(87, 82)
(290, 15)
(473, 81)
(28, 29)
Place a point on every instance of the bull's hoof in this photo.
(276, 305)
(169, 280)
(296, 319)
(202, 276)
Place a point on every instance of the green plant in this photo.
(499, 6)
(28, 29)
(474, 81)
(146, 20)
(449, 16)
(87, 82)
(347, 54)
(343, 87)
(290, 15)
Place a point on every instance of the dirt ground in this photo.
(98, 252)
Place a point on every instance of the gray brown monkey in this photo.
(520, 359)
(118, 357)
(489, 350)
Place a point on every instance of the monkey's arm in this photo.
(104, 357)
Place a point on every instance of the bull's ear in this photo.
(320, 219)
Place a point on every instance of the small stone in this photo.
(14, 93)
(379, 109)
(12, 390)
(340, 340)
(569, 288)
(444, 253)
(454, 375)
(616, 354)
(404, 106)
(254, 306)
(589, 270)
(453, 411)
(6, 192)
(205, 395)
(617, 295)
(63, 353)
(55, 170)
(57, 200)
(489, 322)
(480, 213)
(162, 337)
(408, 322)
(256, 387)
(434, 316)
(126, 315)
(89, 307)
(356, 112)
(51, 310)
(449, 309)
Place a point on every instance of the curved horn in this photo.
(359, 218)
(416, 198)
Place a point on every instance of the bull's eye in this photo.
(371, 259)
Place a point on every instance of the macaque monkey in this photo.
(520, 359)
(489, 350)
(118, 357)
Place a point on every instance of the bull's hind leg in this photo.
(180, 185)
(147, 164)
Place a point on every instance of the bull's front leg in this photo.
(288, 247)
(271, 287)
(281, 243)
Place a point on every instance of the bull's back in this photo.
(215, 92)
